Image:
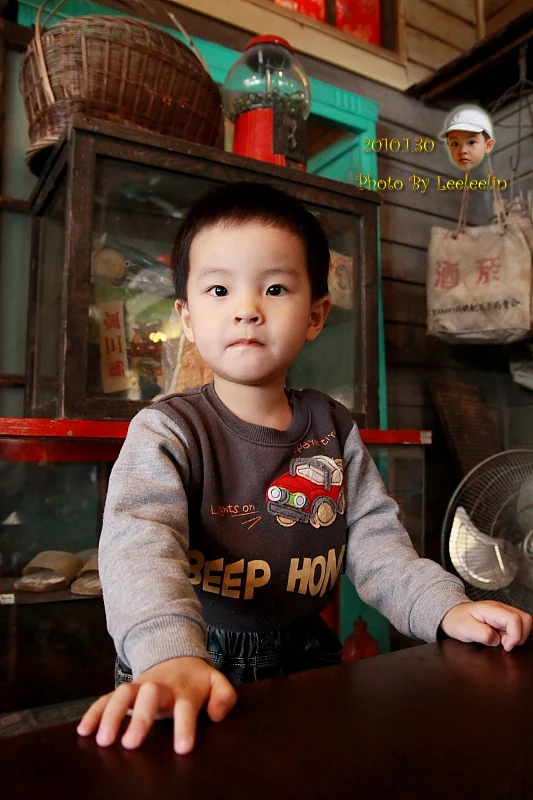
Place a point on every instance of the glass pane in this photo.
(402, 470)
(48, 501)
(328, 363)
(17, 180)
(11, 402)
(15, 235)
(133, 326)
(48, 323)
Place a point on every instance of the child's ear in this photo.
(319, 314)
(489, 145)
(183, 310)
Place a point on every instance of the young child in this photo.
(214, 559)
(468, 134)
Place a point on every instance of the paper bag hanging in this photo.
(479, 283)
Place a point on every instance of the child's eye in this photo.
(276, 290)
(217, 291)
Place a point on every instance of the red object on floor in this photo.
(361, 18)
(330, 617)
(359, 644)
(316, 9)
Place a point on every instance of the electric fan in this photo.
(487, 535)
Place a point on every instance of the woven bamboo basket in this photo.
(117, 69)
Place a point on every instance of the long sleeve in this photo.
(153, 613)
(413, 593)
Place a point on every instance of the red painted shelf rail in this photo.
(69, 440)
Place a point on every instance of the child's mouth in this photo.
(247, 343)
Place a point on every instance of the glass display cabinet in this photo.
(400, 459)
(54, 646)
(103, 339)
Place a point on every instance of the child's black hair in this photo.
(239, 203)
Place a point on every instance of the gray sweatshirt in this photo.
(210, 520)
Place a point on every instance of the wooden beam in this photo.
(476, 62)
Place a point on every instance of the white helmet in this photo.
(468, 118)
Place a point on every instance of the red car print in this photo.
(311, 491)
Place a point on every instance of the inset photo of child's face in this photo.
(468, 136)
(468, 148)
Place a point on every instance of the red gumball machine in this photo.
(266, 95)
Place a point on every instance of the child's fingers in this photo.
(475, 631)
(185, 717)
(509, 622)
(527, 626)
(91, 719)
(222, 698)
(148, 703)
(511, 632)
(122, 699)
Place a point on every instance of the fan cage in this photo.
(497, 495)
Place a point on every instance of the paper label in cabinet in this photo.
(341, 280)
(113, 354)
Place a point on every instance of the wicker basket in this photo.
(118, 69)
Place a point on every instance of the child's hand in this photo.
(488, 622)
(179, 687)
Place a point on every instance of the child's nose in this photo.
(248, 312)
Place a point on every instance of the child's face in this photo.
(467, 149)
(249, 307)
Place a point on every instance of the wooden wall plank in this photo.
(306, 36)
(520, 428)
(409, 385)
(417, 73)
(394, 106)
(412, 418)
(426, 50)
(407, 226)
(493, 6)
(403, 262)
(409, 344)
(465, 9)
(432, 201)
(506, 14)
(404, 302)
(501, 157)
(439, 24)
(518, 395)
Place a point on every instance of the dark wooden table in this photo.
(438, 721)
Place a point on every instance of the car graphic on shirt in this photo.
(311, 491)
